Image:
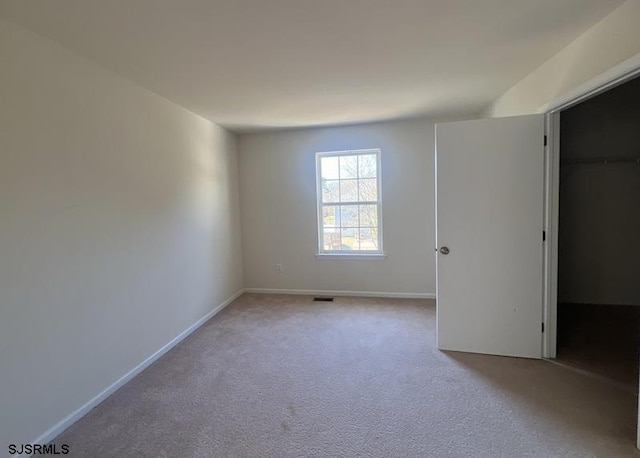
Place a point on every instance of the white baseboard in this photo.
(309, 292)
(70, 419)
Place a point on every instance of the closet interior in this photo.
(599, 235)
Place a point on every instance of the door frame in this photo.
(613, 77)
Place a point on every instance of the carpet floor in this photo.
(282, 376)
(602, 340)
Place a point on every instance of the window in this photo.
(349, 202)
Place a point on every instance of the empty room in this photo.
(291, 228)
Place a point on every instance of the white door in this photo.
(489, 217)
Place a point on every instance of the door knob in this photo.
(444, 250)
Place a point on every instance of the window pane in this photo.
(369, 190)
(329, 167)
(348, 190)
(368, 215)
(350, 239)
(367, 165)
(369, 238)
(330, 216)
(330, 191)
(331, 239)
(349, 216)
(348, 167)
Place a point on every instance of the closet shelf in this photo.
(602, 161)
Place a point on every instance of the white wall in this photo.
(119, 229)
(278, 203)
(611, 41)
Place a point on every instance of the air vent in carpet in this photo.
(323, 299)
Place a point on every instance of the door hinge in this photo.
(544, 236)
(545, 140)
(543, 326)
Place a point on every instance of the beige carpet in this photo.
(282, 376)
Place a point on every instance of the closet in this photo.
(599, 235)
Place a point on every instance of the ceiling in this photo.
(262, 64)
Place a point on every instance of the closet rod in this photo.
(613, 160)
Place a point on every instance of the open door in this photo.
(489, 219)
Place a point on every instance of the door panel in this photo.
(489, 214)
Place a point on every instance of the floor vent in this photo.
(323, 299)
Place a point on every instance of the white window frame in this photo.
(349, 254)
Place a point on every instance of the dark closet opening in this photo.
(599, 235)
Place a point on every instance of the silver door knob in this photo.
(444, 250)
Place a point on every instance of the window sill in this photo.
(351, 256)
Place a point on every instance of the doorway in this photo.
(598, 291)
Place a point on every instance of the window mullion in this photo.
(358, 197)
(340, 199)
(364, 202)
